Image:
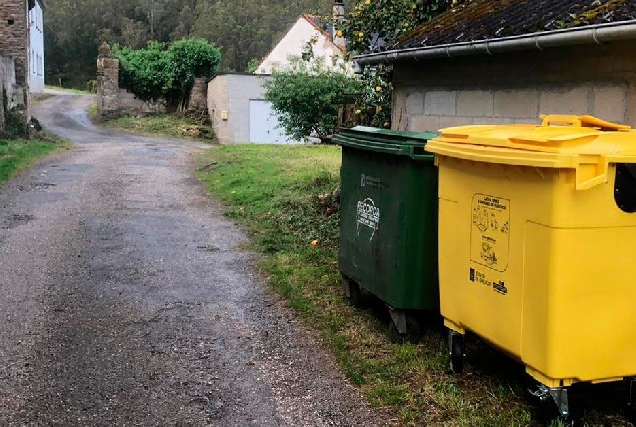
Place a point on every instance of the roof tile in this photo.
(493, 19)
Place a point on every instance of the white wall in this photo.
(229, 98)
(36, 49)
(292, 44)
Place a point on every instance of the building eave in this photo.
(594, 34)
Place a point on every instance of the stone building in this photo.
(20, 28)
(507, 61)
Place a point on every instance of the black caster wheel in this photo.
(353, 294)
(413, 332)
(555, 407)
(456, 350)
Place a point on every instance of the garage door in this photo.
(263, 124)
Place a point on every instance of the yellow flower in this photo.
(339, 33)
(378, 108)
(367, 2)
(360, 34)
(378, 88)
(358, 111)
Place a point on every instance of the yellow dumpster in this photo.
(537, 246)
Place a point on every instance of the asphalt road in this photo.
(126, 299)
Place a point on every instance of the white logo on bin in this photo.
(368, 216)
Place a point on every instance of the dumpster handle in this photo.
(372, 147)
(599, 178)
(383, 148)
(582, 121)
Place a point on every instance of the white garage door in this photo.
(263, 124)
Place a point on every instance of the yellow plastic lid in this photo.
(584, 143)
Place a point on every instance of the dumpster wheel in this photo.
(353, 294)
(456, 351)
(413, 332)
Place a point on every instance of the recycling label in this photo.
(367, 218)
(490, 232)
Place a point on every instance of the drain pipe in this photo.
(597, 34)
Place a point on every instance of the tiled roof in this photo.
(325, 29)
(493, 19)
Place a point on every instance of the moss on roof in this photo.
(493, 19)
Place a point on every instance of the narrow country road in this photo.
(126, 299)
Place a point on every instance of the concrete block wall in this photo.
(218, 102)
(516, 88)
(432, 108)
(231, 94)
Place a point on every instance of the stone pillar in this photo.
(107, 84)
(2, 94)
(198, 95)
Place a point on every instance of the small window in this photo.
(11, 21)
(625, 187)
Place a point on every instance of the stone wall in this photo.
(131, 105)
(107, 84)
(198, 96)
(516, 88)
(14, 36)
(15, 93)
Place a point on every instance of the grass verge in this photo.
(278, 194)
(171, 125)
(19, 154)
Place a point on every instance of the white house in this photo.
(36, 45)
(309, 33)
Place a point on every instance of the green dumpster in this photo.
(388, 228)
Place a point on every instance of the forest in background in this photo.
(243, 29)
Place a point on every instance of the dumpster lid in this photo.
(387, 141)
(395, 136)
(584, 143)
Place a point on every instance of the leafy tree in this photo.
(243, 29)
(160, 71)
(147, 73)
(385, 20)
(192, 58)
(374, 22)
(252, 65)
(305, 96)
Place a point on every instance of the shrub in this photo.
(306, 95)
(159, 71)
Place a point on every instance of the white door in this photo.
(264, 124)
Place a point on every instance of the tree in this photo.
(145, 72)
(374, 22)
(189, 59)
(159, 71)
(305, 96)
(242, 29)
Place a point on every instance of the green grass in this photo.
(19, 154)
(273, 192)
(170, 125)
